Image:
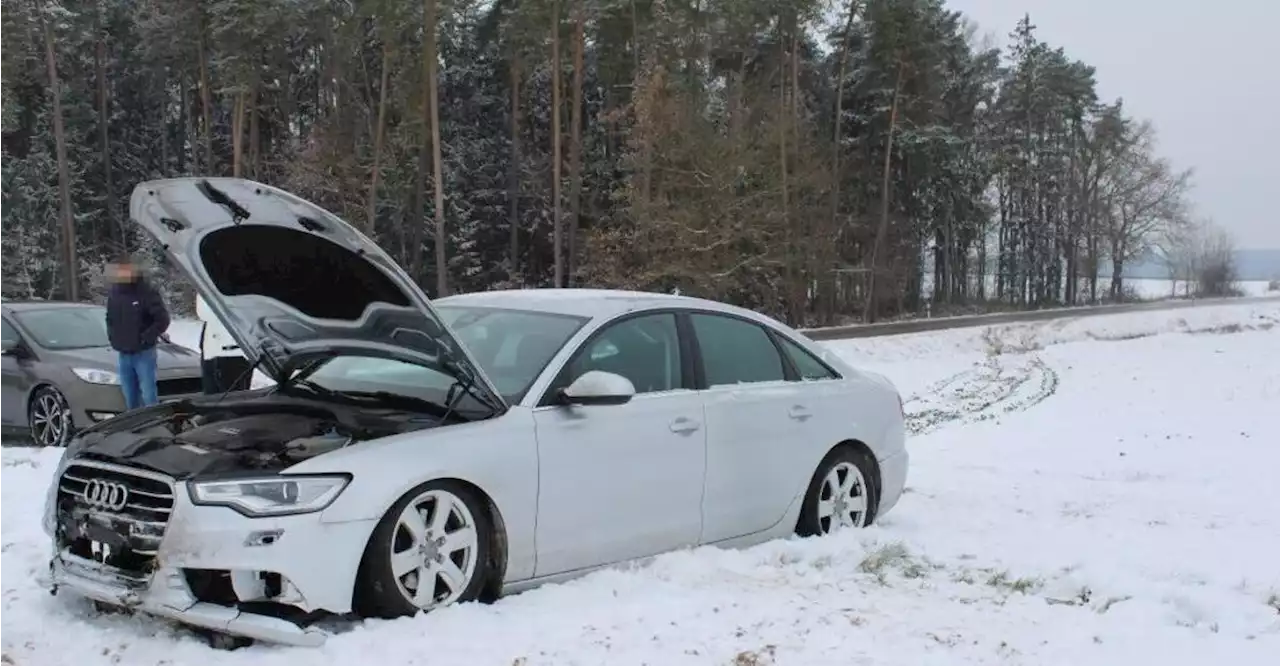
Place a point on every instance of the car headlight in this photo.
(96, 376)
(272, 495)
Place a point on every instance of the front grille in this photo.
(179, 386)
(125, 524)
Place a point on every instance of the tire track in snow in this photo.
(1013, 378)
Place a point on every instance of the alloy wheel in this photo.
(50, 419)
(842, 501)
(434, 549)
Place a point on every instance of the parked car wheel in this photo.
(49, 417)
(841, 495)
(429, 550)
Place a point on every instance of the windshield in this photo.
(511, 346)
(66, 328)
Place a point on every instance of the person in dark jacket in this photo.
(136, 318)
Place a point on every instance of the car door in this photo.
(618, 482)
(757, 419)
(15, 379)
(823, 395)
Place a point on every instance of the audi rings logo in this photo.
(105, 494)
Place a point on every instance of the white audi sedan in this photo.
(415, 454)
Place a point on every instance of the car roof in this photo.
(591, 303)
(27, 306)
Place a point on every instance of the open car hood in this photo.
(292, 281)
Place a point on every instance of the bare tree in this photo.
(64, 177)
(104, 142)
(1216, 271)
(431, 56)
(1175, 245)
(575, 136)
(371, 210)
(868, 312)
(557, 221)
(1143, 194)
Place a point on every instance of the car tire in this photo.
(842, 494)
(49, 417)
(452, 550)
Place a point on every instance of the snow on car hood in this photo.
(292, 281)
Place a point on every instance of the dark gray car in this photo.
(60, 372)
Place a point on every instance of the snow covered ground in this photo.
(1096, 491)
(1159, 288)
(1155, 289)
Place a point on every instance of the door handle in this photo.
(799, 413)
(684, 426)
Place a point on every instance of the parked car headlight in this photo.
(96, 376)
(272, 495)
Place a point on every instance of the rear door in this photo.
(756, 421)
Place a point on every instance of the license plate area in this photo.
(100, 536)
(107, 540)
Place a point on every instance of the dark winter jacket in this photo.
(136, 317)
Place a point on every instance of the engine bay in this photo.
(266, 432)
(264, 438)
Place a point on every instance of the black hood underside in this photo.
(291, 281)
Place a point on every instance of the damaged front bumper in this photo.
(262, 578)
(168, 596)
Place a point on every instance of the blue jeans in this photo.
(138, 378)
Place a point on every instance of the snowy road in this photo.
(1092, 491)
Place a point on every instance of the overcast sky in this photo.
(1206, 73)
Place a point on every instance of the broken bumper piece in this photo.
(167, 595)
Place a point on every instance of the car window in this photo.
(644, 349)
(366, 373)
(66, 327)
(736, 351)
(511, 346)
(807, 365)
(10, 335)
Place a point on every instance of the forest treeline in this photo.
(817, 161)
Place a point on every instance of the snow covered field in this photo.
(1093, 491)
(1158, 288)
(1155, 289)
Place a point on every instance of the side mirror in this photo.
(596, 387)
(10, 347)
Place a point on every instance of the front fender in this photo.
(499, 456)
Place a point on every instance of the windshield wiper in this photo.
(298, 378)
(247, 373)
(322, 391)
(304, 370)
(465, 379)
(400, 400)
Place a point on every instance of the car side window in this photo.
(9, 334)
(645, 350)
(807, 365)
(736, 351)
